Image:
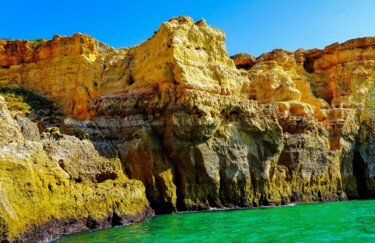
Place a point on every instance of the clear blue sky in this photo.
(250, 26)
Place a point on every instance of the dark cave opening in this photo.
(359, 170)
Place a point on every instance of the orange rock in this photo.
(244, 60)
(197, 131)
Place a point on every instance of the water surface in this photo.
(352, 221)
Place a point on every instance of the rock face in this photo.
(59, 184)
(194, 127)
(330, 92)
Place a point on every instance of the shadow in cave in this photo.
(359, 170)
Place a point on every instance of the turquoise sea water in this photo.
(352, 221)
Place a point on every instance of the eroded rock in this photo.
(187, 124)
(60, 184)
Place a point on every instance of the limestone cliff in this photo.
(329, 91)
(193, 127)
(59, 184)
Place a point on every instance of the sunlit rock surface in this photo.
(191, 127)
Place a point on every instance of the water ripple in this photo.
(352, 221)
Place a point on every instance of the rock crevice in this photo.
(176, 124)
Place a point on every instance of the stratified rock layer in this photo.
(59, 184)
(197, 128)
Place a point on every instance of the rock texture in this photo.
(59, 184)
(328, 91)
(196, 128)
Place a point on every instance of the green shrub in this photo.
(16, 103)
(23, 101)
(37, 42)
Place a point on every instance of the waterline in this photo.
(352, 221)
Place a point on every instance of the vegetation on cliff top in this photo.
(38, 42)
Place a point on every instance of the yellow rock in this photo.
(194, 129)
(60, 185)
